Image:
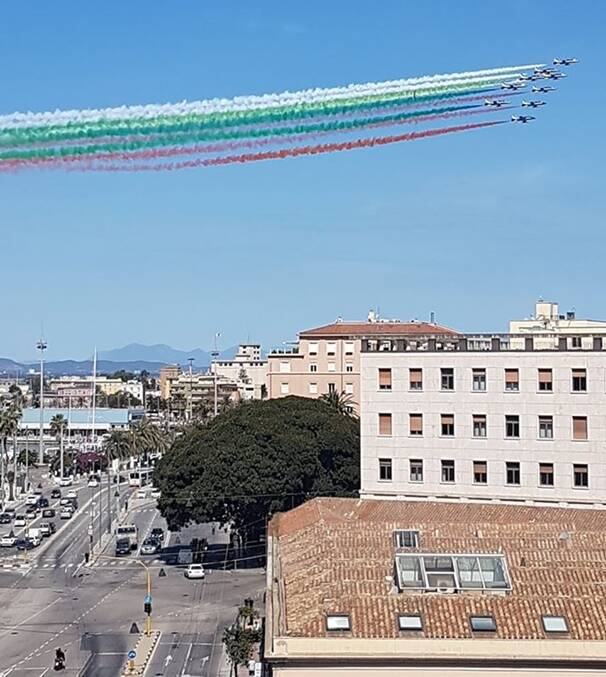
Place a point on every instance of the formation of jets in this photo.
(520, 83)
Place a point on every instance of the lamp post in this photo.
(41, 346)
(214, 355)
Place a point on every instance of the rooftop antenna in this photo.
(432, 317)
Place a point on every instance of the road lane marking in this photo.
(29, 618)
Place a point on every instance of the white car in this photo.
(32, 500)
(8, 541)
(45, 529)
(66, 514)
(93, 482)
(20, 521)
(142, 493)
(72, 493)
(65, 481)
(194, 571)
(156, 493)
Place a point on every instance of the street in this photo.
(57, 601)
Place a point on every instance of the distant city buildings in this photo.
(248, 370)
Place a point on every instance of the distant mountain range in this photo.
(134, 357)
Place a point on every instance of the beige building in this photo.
(78, 386)
(547, 319)
(485, 417)
(248, 370)
(364, 588)
(190, 392)
(327, 359)
(168, 374)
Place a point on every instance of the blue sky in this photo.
(473, 227)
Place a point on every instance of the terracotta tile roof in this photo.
(335, 555)
(359, 329)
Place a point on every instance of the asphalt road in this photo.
(88, 611)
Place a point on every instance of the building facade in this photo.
(168, 374)
(485, 417)
(547, 319)
(327, 359)
(248, 370)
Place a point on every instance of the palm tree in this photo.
(10, 415)
(147, 438)
(57, 426)
(340, 402)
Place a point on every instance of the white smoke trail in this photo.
(242, 103)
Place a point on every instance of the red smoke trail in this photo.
(83, 162)
(299, 151)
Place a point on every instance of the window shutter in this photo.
(385, 379)
(511, 376)
(579, 428)
(545, 376)
(384, 424)
(416, 376)
(416, 423)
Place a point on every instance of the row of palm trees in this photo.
(10, 415)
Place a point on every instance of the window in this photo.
(313, 368)
(313, 348)
(581, 476)
(410, 622)
(349, 347)
(512, 472)
(415, 379)
(332, 367)
(384, 424)
(447, 425)
(576, 342)
(545, 380)
(284, 388)
(479, 425)
(416, 470)
(384, 379)
(332, 388)
(479, 380)
(579, 380)
(512, 426)
(579, 427)
(448, 471)
(415, 424)
(554, 624)
(546, 474)
(483, 623)
(349, 367)
(349, 388)
(331, 348)
(406, 538)
(480, 472)
(284, 367)
(455, 572)
(447, 378)
(546, 427)
(512, 380)
(338, 622)
(313, 388)
(385, 469)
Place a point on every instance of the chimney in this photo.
(432, 317)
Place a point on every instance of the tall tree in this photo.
(256, 459)
(57, 427)
(341, 402)
(10, 415)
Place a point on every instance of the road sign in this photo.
(132, 654)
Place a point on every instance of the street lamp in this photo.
(41, 346)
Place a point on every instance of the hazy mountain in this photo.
(76, 367)
(160, 352)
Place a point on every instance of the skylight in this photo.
(483, 623)
(337, 622)
(449, 573)
(410, 622)
(554, 624)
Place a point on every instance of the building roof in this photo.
(103, 416)
(334, 556)
(380, 328)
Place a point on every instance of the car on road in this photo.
(72, 493)
(38, 490)
(149, 547)
(20, 521)
(142, 493)
(157, 533)
(194, 571)
(5, 518)
(65, 501)
(45, 529)
(32, 500)
(66, 513)
(93, 481)
(10, 511)
(31, 513)
(122, 547)
(8, 541)
(55, 493)
(24, 544)
(65, 481)
(155, 493)
(43, 502)
(49, 512)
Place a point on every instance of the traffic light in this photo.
(147, 608)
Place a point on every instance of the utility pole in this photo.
(215, 354)
(94, 398)
(41, 346)
(61, 448)
(26, 460)
(191, 386)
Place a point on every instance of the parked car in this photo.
(122, 547)
(20, 521)
(5, 518)
(149, 547)
(45, 529)
(43, 502)
(55, 493)
(66, 513)
(72, 493)
(48, 512)
(194, 571)
(157, 533)
(8, 541)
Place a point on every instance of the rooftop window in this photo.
(554, 624)
(450, 573)
(483, 623)
(337, 622)
(410, 622)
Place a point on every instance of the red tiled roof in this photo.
(359, 329)
(335, 555)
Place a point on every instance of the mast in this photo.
(94, 399)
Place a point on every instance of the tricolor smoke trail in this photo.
(136, 138)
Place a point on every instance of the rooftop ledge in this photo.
(420, 649)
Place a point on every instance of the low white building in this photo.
(248, 370)
(477, 417)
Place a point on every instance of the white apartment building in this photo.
(247, 369)
(477, 417)
(547, 320)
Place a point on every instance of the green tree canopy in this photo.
(256, 459)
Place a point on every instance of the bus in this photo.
(140, 477)
(130, 532)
